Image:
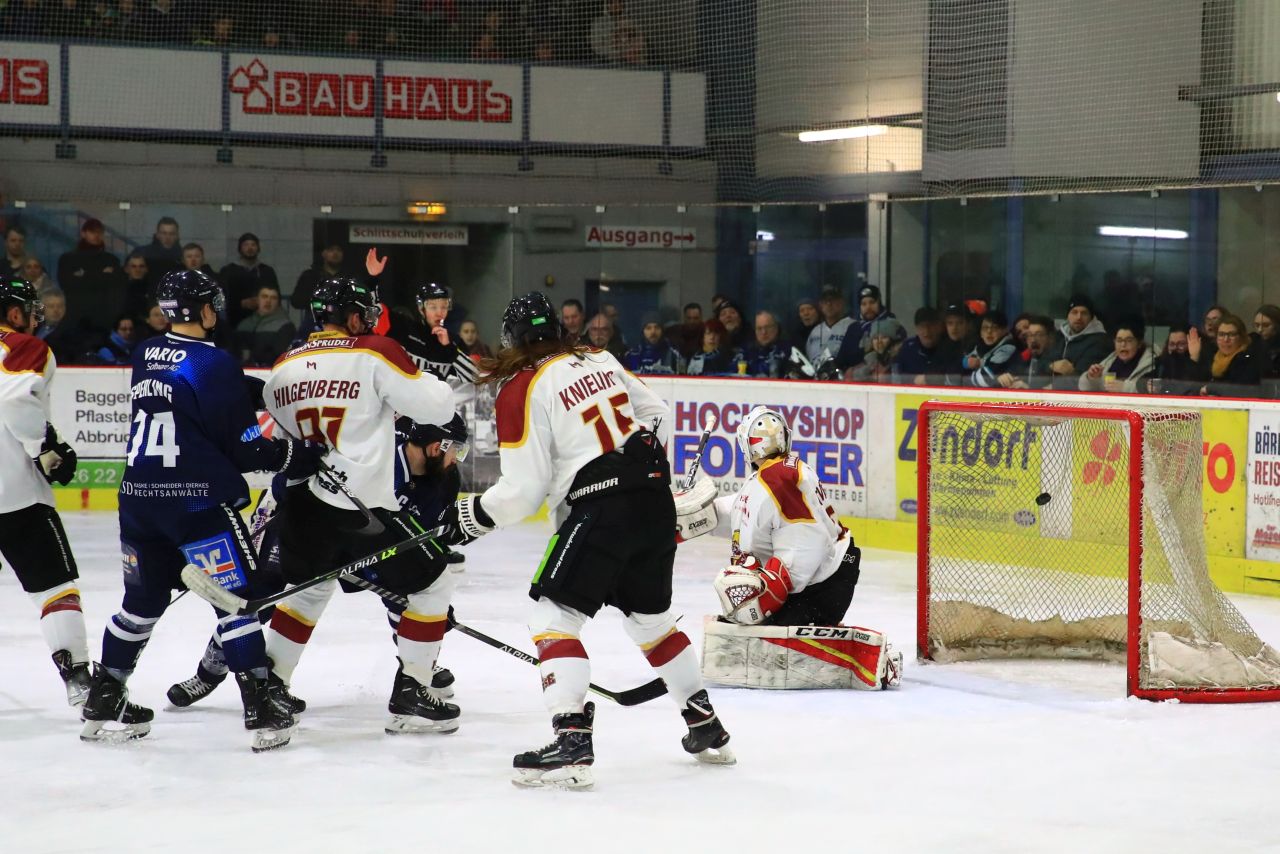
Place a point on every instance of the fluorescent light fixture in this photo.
(1130, 231)
(764, 235)
(855, 132)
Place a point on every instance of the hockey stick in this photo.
(632, 697)
(215, 594)
(372, 525)
(707, 427)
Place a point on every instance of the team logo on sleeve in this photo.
(217, 558)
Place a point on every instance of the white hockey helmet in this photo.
(763, 434)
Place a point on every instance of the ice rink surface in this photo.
(977, 757)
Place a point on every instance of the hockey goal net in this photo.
(1050, 531)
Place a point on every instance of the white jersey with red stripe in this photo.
(26, 369)
(782, 511)
(555, 417)
(346, 391)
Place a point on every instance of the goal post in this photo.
(1076, 531)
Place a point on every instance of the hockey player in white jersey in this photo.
(573, 431)
(32, 456)
(791, 561)
(343, 387)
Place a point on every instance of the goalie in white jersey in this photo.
(343, 388)
(791, 563)
(573, 430)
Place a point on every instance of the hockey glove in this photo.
(302, 458)
(57, 460)
(696, 509)
(465, 521)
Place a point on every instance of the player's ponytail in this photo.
(509, 361)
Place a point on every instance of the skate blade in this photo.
(414, 725)
(717, 756)
(571, 778)
(270, 739)
(97, 731)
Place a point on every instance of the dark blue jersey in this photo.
(194, 429)
(424, 497)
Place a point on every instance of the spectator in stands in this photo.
(1035, 371)
(1019, 330)
(768, 355)
(33, 271)
(262, 336)
(1232, 365)
(618, 341)
(15, 250)
(825, 339)
(91, 278)
(1174, 370)
(242, 280)
(929, 355)
(1208, 332)
(883, 336)
(52, 329)
(138, 286)
(160, 22)
(653, 355)
(469, 333)
(24, 18)
(962, 328)
(328, 266)
(491, 41)
(600, 333)
(572, 318)
(615, 37)
(807, 317)
(715, 357)
(1082, 342)
(686, 336)
(857, 340)
(221, 31)
(692, 312)
(155, 322)
(119, 346)
(994, 354)
(730, 317)
(193, 259)
(1266, 339)
(164, 252)
(1128, 367)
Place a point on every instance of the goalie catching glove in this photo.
(751, 593)
(465, 522)
(696, 509)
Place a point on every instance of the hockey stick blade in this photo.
(203, 585)
(708, 426)
(631, 697)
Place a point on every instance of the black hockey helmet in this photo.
(451, 435)
(432, 290)
(182, 293)
(18, 291)
(528, 319)
(334, 299)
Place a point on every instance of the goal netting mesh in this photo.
(1065, 532)
(601, 98)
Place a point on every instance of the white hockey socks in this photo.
(62, 622)
(669, 653)
(420, 631)
(564, 666)
(291, 627)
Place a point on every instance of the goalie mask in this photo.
(763, 434)
(750, 594)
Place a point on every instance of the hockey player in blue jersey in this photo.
(194, 432)
(426, 480)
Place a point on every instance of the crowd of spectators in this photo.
(567, 31)
(964, 344)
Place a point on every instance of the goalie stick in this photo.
(215, 594)
(632, 697)
(707, 426)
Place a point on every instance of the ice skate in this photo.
(441, 682)
(76, 677)
(891, 668)
(415, 708)
(183, 694)
(108, 703)
(295, 705)
(266, 713)
(707, 738)
(564, 763)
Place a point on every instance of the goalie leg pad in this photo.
(798, 657)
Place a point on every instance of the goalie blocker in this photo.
(798, 657)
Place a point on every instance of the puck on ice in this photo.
(1043, 498)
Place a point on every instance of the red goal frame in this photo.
(1137, 429)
